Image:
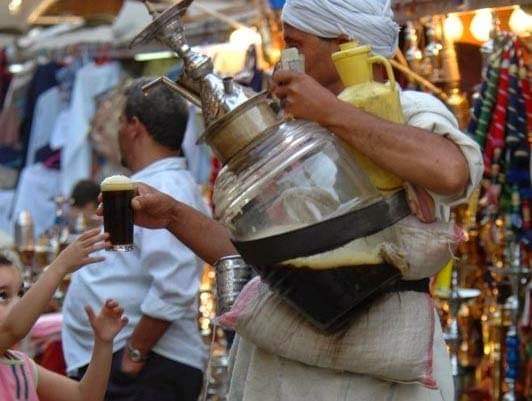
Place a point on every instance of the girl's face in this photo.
(10, 289)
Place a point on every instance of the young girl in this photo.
(20, 378)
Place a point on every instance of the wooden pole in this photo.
(420, 80)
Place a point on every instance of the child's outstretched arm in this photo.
(25, 312)
(54, 387)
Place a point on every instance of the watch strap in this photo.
(135, 355)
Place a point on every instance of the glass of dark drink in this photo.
(117, 192)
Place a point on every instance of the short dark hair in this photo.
(85, 192)
(163, 112)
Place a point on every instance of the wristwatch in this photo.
(135, 355)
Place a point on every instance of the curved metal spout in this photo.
(233, 116)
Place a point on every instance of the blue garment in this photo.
(43, 79)
(160, 278)
(48, 107)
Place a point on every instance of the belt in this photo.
(324, 236)
(422, 286)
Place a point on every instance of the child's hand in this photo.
(109, 321)
(77, 254)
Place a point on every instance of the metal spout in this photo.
(234, 116)
(187, 94)
(168, 29)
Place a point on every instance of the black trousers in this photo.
(161, 380)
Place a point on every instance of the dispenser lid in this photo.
(350, 49)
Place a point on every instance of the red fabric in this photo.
(52, 358)
(497, 130)
(525, 85)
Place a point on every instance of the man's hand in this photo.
(303, 97)
(153, 209)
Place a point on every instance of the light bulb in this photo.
(453, 27)
(520, 22)
(481, 25)
(14, 6)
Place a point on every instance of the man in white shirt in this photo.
(159, 355)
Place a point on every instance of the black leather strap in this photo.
(422, 285)
(327, 235)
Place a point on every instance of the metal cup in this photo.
(232, 274)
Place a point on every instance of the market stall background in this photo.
(64, 65)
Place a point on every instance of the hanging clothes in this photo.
(5, 77)
(6, 200)
(501, 122)
(13, 111)
(91, 80)
(198, 155)
(47, 109)
(43, 79)
(37, 187)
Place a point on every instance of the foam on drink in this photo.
(117, 183)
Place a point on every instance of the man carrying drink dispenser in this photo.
(442, 167)
(159, 355)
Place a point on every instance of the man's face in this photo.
(317, 51)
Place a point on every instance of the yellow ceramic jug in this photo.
(354, 64)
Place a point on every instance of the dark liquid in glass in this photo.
(118, 218)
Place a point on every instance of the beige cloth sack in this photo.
(422, 249)
(391, 340)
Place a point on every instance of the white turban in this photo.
(370, 22)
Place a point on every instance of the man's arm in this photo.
(146, 334)
(429, 161)
(417, 156)
(208, 239)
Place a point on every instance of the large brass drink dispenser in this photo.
(299, 207)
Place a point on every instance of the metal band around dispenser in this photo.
(232, 274)
(342, 230)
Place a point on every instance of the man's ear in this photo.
(137, 126)
(342, 39)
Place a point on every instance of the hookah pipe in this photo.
(512, 307)
(452, 336)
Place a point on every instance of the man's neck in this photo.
(152, 156)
